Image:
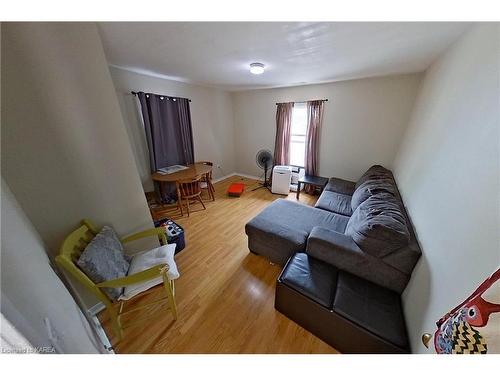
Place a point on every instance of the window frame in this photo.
(292, 134)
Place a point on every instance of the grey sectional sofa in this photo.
(360, 227)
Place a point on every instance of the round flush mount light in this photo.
(256, 68)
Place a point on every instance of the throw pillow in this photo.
(103, 259)
(147, 259)
(370, 188)
(375, 172)
(378, 226)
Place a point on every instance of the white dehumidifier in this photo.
(282, 176)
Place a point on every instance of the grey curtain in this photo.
(283, 132)
(167, 122)
(314, 121)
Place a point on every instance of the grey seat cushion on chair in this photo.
(378, 226)
(103, 259)
(335, 202)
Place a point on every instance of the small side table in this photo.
(316, 181)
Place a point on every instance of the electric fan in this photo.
(264, 160)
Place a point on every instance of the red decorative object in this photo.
(463, 329)
(235, 189)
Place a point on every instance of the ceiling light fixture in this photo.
(256, 68)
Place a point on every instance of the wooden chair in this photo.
(206, 181)
(73, 247)
(189, 190)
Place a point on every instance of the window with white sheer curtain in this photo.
(298, 134)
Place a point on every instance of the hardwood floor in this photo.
(225, 295)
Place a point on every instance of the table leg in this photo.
(179, 201)
(160, 190)
(298, 190)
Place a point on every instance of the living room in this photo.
(383, 233)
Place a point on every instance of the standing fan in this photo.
(264, 160)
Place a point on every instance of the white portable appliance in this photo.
(297, 172)
(282, 176)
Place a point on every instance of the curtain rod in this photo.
(135, 93)
(305, 101)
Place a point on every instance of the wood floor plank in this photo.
(225, 295)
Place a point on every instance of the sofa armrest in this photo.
(342, 252)
(332, 247)
(156, 232)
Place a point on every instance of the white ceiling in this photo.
(218, 54)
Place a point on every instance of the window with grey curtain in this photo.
(283, 130)
(167, 122)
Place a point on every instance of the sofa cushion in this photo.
(298, 216)
(103, 260)
(341, 186)
(378, 226)
(374, 308)
(375, 172)
(404, 259)
(335, 202)
(371, 187)
(311, 277)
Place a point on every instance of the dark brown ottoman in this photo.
(349, 313)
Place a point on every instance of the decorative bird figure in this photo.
(456, 333)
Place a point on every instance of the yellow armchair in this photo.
(70, 252)
(160, 232)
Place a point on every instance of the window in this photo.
(298, 135)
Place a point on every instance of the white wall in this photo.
(65, 150)
(448, 172)
(31, 291)
(364, 121)
(211, 116)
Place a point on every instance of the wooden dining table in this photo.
(192, 171)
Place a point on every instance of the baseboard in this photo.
(214, 181)
(236, 174)
(249, 176)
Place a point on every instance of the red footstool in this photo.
(235, 189)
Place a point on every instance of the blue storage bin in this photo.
(174, 232)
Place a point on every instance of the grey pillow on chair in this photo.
(103, 259)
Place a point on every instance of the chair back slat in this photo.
(190, 187)
(70, 252)
(207, 179)
(207, 176)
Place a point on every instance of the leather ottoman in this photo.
(349, 313)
